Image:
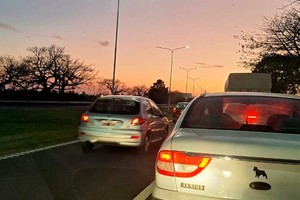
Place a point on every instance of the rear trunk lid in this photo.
(243, 165)
(105, 121)
(115, 113)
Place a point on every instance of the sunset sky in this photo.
(86, 28)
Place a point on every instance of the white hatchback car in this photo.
(232, 145)
(122, 120)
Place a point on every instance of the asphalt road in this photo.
(67, 173)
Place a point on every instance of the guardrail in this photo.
(27, 102)
(163, 107)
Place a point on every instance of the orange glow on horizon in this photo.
(207, 27)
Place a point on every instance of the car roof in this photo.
(264, 94)
(128, 97)
(183, 102)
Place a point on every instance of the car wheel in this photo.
(87, 146)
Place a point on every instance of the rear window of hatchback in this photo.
(116, 106)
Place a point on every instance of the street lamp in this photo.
(194, 83)
(115, 52)
(187, 77)
(172, 55)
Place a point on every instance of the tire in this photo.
(87, 146)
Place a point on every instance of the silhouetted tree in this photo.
(140, 90)
(52, 69)
(275, 47)
(158, 92)
(72, 73)
(284, 70)
(10, 70)
(43, 63)
(105, 87)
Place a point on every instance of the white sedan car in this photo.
(232, 145)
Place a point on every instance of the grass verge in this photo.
(27, 128)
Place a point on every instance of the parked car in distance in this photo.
(232, 145)
(177, 109)
(122, 120)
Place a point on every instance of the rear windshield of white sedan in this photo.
(116, 106)
(244, 113)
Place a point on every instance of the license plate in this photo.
(108, 123)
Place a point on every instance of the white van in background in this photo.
(248, 82)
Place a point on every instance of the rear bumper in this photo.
(123, 138)
(162, 194)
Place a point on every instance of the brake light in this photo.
(251, 117)
(180, 164)
(85, 118)
(138, 121)
(174, 109)
(135, 137)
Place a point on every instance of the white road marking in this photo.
(37, 150)
(146, 192)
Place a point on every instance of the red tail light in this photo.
(138, 121)
(180, 164)
(135, 137)
(174, 109)
(85, 118)
(251, 117)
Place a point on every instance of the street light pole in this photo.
(194, 84)
(187, 77)
(172, 57)
(115, 54)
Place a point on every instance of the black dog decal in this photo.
(259, 172)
